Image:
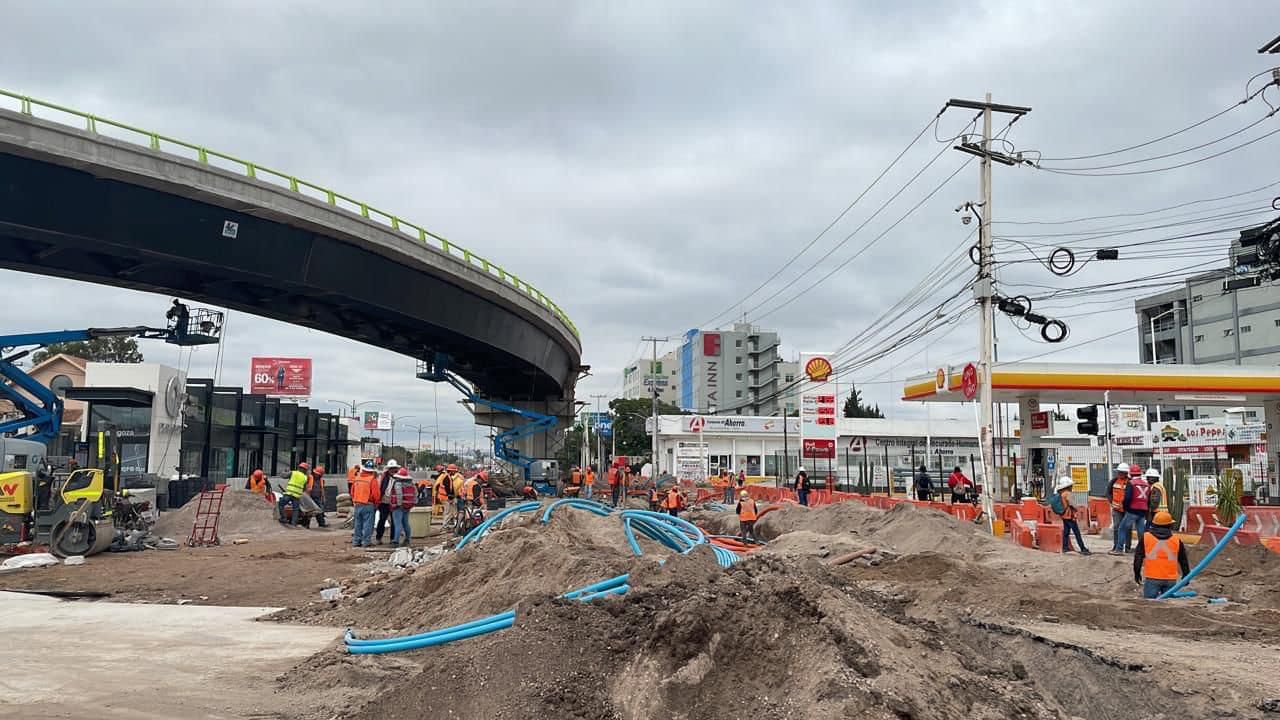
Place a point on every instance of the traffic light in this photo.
(1088, 417)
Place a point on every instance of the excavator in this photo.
(73, 513)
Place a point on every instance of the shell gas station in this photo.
(1036, 388)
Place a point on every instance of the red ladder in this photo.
(208, 509)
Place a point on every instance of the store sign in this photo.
(729, 425)
(819, 449)
(280, 376)
(1040, 420)
(818, 369)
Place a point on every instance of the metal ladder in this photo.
(208, 509)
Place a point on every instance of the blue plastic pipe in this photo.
(724, 557)
(692, 530)
(603, 584)
(351, 639)
(665, 534)
(1204, 561)
(479, 531)
(1184, 594)
(619, 590)
(391, 647)
(579, 503)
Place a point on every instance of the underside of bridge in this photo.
(69, 219)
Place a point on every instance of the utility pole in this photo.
(984, 288)
(653, 394)
(599, 439)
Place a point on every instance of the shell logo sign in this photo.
(941, 384)
(818, 369)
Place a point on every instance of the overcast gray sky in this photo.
(649, 164)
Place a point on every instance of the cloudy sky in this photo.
(650, 165)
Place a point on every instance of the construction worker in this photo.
(422, 486)
(402, 499)
(742, 481)
(615, 482)
(589, 481)
(471, 490)
(1161, 557)
(747, 514)
(315, 488)
(384, 506)
(257, 483)
(442, 494)
(1068, 515)
(456, 482)
(1119, 542)
(1135, 502)
(673, 501)
(960, 486)
(1157, 500)
(575, 477)
(802, 487)
(655, 498)
(296, 485)
(364, 497)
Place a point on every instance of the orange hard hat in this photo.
(303, 466)
(453, 468)
(482, 475)
(1162, 518)
(319, 469)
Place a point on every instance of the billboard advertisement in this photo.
(281, 376)
(374, 420)
(819, 427)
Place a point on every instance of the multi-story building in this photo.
(1204, 323)
(664, 374)
(734, 371)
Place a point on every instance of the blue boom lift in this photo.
(437, 370)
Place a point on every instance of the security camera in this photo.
(966, 218)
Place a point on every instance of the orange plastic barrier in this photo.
(1100, 511)
(1049, 537)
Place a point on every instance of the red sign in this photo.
(819, 449)
(969, 382)
(289, 377)
(711, 344)
(697, 423)
(818, 369)
(1040, 421)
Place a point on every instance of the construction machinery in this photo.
(74, 513)
(532, 469)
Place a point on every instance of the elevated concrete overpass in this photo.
(112, 204)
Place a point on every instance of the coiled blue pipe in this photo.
(479, 531)
(619, 590)
(353, 641)
(580, 503)
(439, 639)
(1204, 562)
(693, 531)
(664, 534)
(603, 584)
(724, 556)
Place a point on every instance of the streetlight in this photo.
(420, 429)
(354, 405)
(1155, 360)
(395, 420)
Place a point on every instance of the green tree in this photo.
(570, 452)
(104, 349)
(854, 408)
(629, 418)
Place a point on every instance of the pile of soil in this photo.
(243, 514)
(1242, 573)
(766, 639)
(522, 562)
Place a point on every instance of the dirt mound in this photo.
(243, 515)
(766, 639)
(1242, 573)
(522, 562)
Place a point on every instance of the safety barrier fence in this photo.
(116, 130)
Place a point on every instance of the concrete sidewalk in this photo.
(97, 660)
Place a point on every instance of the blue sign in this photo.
(604, 427)
(1049, 462)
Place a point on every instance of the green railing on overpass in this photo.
(162, 143)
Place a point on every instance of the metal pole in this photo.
(1106, 408)
(653, 394)
(986, 320)
(599, 439)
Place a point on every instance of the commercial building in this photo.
(1203, 323)
(639, 376)
(59, 373)
(736, 371)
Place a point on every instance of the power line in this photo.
(1161, 169)
(1248, 97)
(1175, 153)
(1141, 213)
(831, 224)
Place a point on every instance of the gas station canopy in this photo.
(1083, 384)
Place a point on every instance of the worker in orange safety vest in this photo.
(747, 514)
(1119, 542)
(365, 495)
(673, 502)
(1161, 558)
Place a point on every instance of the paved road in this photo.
(100, 660)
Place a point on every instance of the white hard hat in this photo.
(392, 464)
(1123, 468)
(1152, 473)
(1064, 482)
(800, 470)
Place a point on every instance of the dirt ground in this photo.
(944, 622)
